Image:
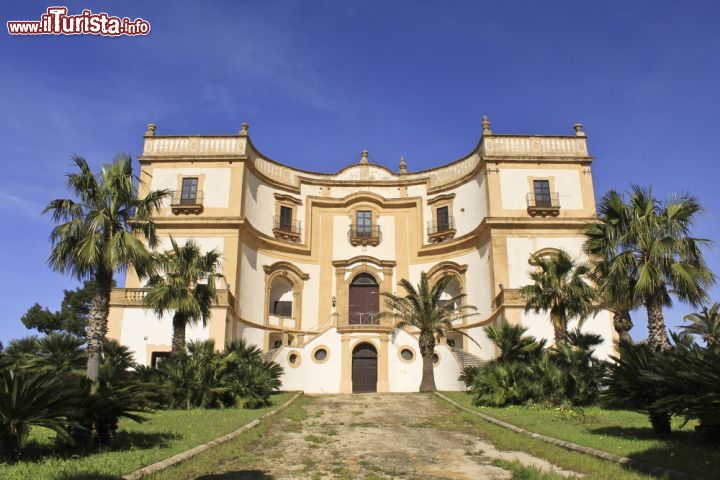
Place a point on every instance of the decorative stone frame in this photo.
(375, 214)
(320, 347)
(542, 211)
(196, 207)
(282, 200)
(543, 252)
(371, 266)
(407, 347)
(296, 277)
(436, 203)
(299, 359)
(451, 269)
(436, 364)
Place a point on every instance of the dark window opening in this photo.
(188, 194)
(286, 218)
(156, 358)
(541, 189)
(282, 308)
(443, 219)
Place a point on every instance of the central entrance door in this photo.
(364, 368)
(364, 300)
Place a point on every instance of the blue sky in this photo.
(319, 81)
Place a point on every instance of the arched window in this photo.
(452, 290)
(364, 300)
(281, 297)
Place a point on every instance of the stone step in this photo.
(466, 359)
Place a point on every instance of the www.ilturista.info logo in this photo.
(56, 21)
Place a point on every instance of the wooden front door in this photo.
(364, 369)
(364, 300)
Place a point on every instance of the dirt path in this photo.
(375, 436)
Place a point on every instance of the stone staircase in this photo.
(270, 354)
(466, 359)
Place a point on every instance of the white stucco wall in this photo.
(139, 324)
(343, 249)
(514, 187)
(216, 187)
(519, 250)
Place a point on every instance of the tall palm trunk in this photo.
(623, 323)
(657, 336)
(427, 349)
(178, 338)
(98, 323)
(559, 327)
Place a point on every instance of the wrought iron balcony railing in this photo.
(551, 200)
(435, 227)
(363, 318)
(286, 230)
(364, 234)
(178, 198)
(292, 227)
(543, 204)
(184, 202)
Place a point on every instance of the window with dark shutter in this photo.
(542, 193)
(443, 219)
(188, 194)
(285, 218)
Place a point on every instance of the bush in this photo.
(30, 399)
(525, 371)
(683, 380)
(204, 377)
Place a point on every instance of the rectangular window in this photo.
(542, 193)
(364, 223)
(443, 219)
(188, 194)
(282, 308)
(286, 214)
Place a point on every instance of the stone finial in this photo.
(403, 166)
(364, 157)
(579, 130)
(486, 126)
(150, 130)
(244, 129)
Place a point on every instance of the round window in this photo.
(293, 358)
(406, 354)
(321, 354)
(436, 358)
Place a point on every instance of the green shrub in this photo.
(29, 399)
(525, 371)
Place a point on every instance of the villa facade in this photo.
(306, 256)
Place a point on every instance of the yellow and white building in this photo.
(306, 255)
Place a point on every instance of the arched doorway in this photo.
(364, 368)
(364, 300)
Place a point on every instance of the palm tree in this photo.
(560, 287)
(421, 308)
(603, 241)
(185, 286)
(512, 342)
(662, 257)
(706, 325)
(101, 233)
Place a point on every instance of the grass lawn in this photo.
(615, 431)
(166, 433)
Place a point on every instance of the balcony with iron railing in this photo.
(439, 231)
(546, 204)
(183, 202)
(364, 235)
(286, 230)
